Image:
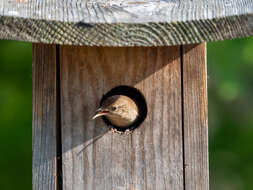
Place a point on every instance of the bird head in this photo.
(120, 110)
(109, 107)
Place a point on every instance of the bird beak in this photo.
(100, 112)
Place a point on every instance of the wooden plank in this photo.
(125, 23)
(96, 158)
(195, 117)
(44, 117)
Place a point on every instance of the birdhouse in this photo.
(88, 55)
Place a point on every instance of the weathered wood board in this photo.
(149, 158)
(125, 23)
(195, 117)
(168, 151)
(44, 117)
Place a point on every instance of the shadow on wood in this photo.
(146, 158)
(89, 72)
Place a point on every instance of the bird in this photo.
(120, 110)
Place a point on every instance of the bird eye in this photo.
(114, 108)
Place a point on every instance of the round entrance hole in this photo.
(135, 95)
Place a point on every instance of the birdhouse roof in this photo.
(125, 22)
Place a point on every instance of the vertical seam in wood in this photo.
(58, 125)
(182, 110)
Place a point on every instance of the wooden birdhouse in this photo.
(85, 51)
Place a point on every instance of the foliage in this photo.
(15, 115)
(230, 70)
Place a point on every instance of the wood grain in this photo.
(94, 157)
(125, 23)
(44, 117)
(195, 117)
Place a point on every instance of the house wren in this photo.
(120, 110)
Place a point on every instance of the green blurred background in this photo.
(230, 92)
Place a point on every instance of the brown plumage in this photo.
(120, 110)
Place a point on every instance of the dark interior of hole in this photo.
(136, 96)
